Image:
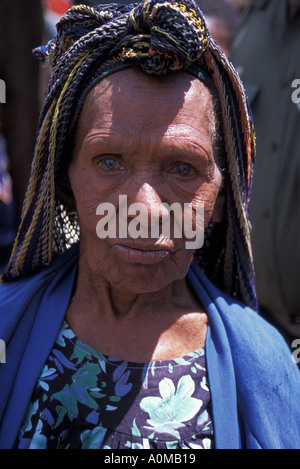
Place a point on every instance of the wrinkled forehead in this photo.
(147, 98)
(175, 85)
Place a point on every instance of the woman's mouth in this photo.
(141, 254)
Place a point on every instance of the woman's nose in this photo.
(145, 209)
(148, 201)
(148, 195)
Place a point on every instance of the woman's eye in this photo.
(108, 164)
(184, 169)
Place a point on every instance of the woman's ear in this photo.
(219, 208)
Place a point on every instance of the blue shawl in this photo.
(255, 386)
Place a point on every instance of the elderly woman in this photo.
(120, 334)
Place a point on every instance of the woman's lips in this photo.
(144, 255)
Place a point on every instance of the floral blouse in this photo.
(84, 399)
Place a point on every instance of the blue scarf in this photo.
(255, 386)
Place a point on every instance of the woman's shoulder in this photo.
(249, 330)
(248, 333)
(259, 351)
(248, 325)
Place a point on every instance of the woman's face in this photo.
(143, 140)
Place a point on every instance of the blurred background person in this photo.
(266, 51)
(53, 10)
(222, 19)
(21, 30)
(241, 5)
(21, 25)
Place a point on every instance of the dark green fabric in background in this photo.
(266, 52)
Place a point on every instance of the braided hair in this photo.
(156, 36)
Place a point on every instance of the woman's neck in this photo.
(163, 324)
